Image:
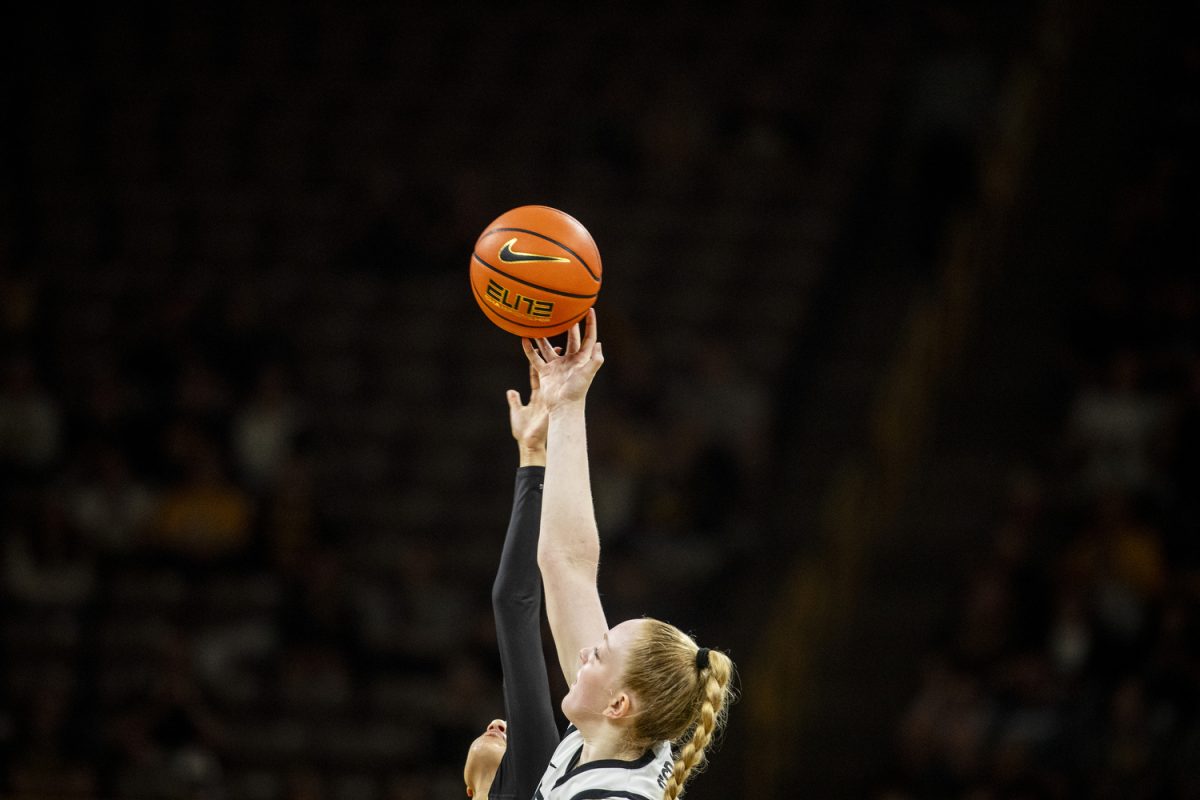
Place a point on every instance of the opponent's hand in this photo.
(564, 378)
(529, 421)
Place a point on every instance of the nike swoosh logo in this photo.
(510, 256)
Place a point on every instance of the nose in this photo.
(498, 725)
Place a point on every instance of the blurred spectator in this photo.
(1114, 427)
(232, 657)
(164, 747)
(109, 505)
(1120, 558)
(985, 626)
(1072, 639)
(30, 421)
(45, 563)
(206, 516)
(945, 728)
(265, 428)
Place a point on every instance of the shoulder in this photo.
(640, 779)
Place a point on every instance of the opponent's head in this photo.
(483, 758)
(651, 678)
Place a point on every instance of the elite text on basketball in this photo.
(501, 295)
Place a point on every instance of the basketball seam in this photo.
(578, 258)
(484, 305)
(534, 285)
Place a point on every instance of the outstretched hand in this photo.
(564, 377)
(530, 420)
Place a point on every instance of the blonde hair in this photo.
(681, 702)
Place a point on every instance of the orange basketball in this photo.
(535, 271)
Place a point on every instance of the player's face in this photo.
(483, 758)
(601, 667)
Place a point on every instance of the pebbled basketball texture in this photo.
(535, 271)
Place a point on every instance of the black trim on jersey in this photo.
(609, 763)
(594, 794)
(571, 762)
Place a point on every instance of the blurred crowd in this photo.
(253, 445)
(1069, 665)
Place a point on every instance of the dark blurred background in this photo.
(901, 409)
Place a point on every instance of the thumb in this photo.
(514, 399)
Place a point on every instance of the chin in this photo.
(485, 755)
(491, 747)
(569, 708)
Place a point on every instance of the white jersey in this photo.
(641, 779)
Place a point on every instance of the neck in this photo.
(482, 791)
(604, 740)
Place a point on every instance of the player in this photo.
(644, 700)
(504, 763)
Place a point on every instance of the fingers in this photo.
(548, 351)
(596, 360)
(541, 352)
(535, 380)
(593, 331)
(535, 358)
(573, 339)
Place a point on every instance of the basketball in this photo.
(535, 271)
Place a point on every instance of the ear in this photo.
(620, 706)
(470, 792)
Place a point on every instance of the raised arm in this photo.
(517, 604)
(569, 548)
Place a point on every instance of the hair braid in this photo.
(711, 716)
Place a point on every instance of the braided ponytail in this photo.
(713, 708)
(684, 694)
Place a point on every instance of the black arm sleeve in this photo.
(517, 604)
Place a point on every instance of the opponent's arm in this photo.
(569, 548)
(517, 605)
